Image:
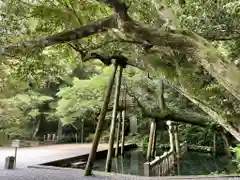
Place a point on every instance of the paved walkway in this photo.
(77, 174)
(42, 154)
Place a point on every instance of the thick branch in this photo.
(189, 118)
(60, 38)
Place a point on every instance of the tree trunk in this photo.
(91, 157)
(59, 131)
(113, 122)
(118, 133)
(37, 127)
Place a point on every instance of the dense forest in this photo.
(55, 62)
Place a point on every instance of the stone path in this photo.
(42, 154)
(77, 174)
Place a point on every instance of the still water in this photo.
(194, 163)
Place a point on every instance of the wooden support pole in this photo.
(161, 96)
(171, 137)
(113, 122)
(123, 122)
(214, 143)
(154, 141)
(118, 133)
(91, 157)
(150, 141)
(177, 143)
(82, 131)
(122, 168)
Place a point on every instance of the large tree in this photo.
(167, 41)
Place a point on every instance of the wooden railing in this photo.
(162, 165)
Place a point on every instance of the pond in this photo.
(194, 163)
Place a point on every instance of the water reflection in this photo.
(131, 163)
(193, 163)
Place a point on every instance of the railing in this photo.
(162, 165)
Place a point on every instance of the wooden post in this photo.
(123, 122)
(113, 122)
(214, 143)
(118, 133)
(82, 131)
(122, 168)
(53, 137)
(177, 143)
(154, 141)
(150, 141)
(48, 136)
(161, 96)
(76, 137)
(171, 137)
(91, 157)
(146, 169)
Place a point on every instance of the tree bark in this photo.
(113, 122)
(91, 157)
